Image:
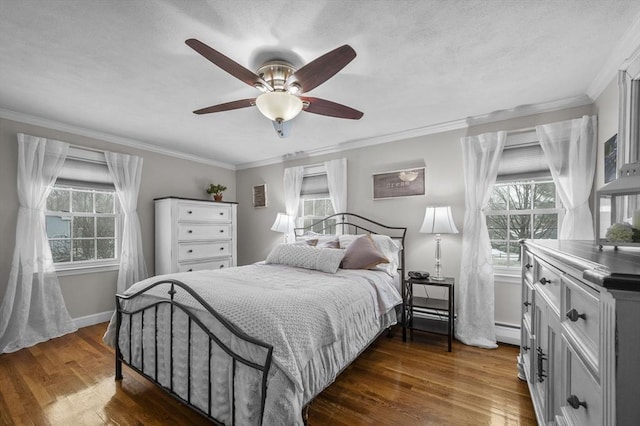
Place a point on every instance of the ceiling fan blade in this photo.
(332, 109)
(322, 69)
(227, 64)
(243, 103)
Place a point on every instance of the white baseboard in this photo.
(92, 319)
(506, 333)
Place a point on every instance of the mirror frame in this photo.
(629, 112)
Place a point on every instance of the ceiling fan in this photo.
(282, 84)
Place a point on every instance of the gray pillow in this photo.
(304, 256)
(362, 253)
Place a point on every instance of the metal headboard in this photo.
(351, 223)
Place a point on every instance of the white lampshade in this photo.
(283, 223)
(438, 220)
(279, 106)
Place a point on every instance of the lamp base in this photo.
(436, 278)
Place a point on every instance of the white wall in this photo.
(440, 153)
(93, 293)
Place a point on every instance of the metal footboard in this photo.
(135, 338)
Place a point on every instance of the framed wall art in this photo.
(399, 183)
(610, 158)
(260, 196)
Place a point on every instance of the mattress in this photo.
(317, 323)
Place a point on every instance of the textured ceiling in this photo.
(121, 67)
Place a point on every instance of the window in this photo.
(82, 226)
(315, 209)
(524, 202)
(521, 209)
(315, 203)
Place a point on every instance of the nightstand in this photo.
(430, 306)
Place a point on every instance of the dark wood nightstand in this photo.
(428, 305)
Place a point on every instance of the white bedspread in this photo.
(298, 311)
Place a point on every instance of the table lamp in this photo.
(283, 223)
(438, 220)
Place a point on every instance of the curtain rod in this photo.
(84, 148)
(523, 130)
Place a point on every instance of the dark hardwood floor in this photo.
(70, 380)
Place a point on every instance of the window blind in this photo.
(85, 169)
(523, 159)
(314, 186)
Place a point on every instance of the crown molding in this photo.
(624, 50)
(107, 137)
(501, 115)
(360, 143)
(526, 110)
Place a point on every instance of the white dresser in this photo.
(192, 235)
(580, 347)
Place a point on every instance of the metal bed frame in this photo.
(343, 223)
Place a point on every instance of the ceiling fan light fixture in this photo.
(294, 88)
(279, 106)
(261, 87)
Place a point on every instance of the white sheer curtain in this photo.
(33, 310)
(337, 180)
(570, 149)
(475, 298)
(126, 171)
(292, 185)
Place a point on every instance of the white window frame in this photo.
(86, 169)
(313, 170)
(84, 266)
(558, 209)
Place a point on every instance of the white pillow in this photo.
(308, 257)
(319, 240)
(388, 247)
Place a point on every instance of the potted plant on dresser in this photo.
(216, 191)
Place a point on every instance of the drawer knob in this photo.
(190, 270)
(189, 212)
(190, 251)
(221, 248)
(221, 214)
(573, 315)
(221, 231)
(575, 403)
(544, 281)
(189, 231)
(527, 304)
(528, 266)
(221, 266)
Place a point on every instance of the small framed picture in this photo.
(399, 183)
(260, 196)
(610, 158)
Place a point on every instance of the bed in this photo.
(255, 344)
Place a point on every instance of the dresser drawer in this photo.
(528, 265)
(198, 212)
(203, 250)
(200, 266)
(582, 388)
(525, 349)
(550, 283)
(193, 231)
(527, 301)
(581, 318)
